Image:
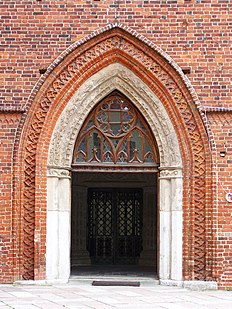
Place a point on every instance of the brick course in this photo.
(196, 34)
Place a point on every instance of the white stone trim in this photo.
(58, 173)
(191, 285)
(171, 184)
(58, 228)
(200, 285)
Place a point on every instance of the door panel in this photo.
(100, 213)
(114, 225)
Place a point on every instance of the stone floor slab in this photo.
(84, 296)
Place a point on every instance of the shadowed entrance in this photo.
(114, 225)
(73, 153)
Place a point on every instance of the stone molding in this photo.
(194, 285)
(115, 76)
(170, 173)
(58, 173)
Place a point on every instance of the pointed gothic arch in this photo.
(155, 84)
(68, 130)
(115, 136)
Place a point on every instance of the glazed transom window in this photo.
(115, 134)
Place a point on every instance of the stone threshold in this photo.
(87, 280)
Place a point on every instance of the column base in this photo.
(193, 285)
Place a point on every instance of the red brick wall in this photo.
(8, 126)
(220, 124)
(196, 34)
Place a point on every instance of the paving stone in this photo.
(79, 307)
(102, 306)
(78, 296)
(21, 294)
(139, 307)
(23, 306)
(3, 305)
(185, 305)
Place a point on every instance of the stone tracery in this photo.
(115, 134)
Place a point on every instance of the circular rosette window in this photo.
(115, 117)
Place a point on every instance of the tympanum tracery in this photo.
(115, 133)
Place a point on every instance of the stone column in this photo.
(58, 225)
(149, 254)
(80, 255)
(177, 226)
(170, 263)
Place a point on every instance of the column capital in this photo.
(170, 172)
(58, 172)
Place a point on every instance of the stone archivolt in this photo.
(115, 76)
(115, 43)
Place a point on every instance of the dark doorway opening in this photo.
(114, 223)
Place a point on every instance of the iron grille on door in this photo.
(115, 225)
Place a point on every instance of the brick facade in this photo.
(195, 34)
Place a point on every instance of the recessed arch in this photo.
(185, 129)
(96, 88)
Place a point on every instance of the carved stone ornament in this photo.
(170, 173)
(115, 134)
(58, 173)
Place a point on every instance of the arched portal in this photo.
(114, 204)
(113, 58)
(163, 153)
